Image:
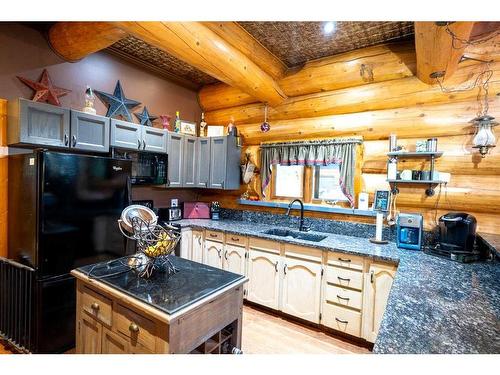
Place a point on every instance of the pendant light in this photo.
(265, 126)
(485, 137)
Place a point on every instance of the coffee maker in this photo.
(409, 231)
(457, 237)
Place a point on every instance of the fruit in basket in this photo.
(160, 247)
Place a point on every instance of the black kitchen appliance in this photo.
(457, 237)
(170, 213)
(148, 168)
(63, 211)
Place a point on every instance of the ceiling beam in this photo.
(72, 41)
(436, 53)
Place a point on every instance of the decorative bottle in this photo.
(203, 125)
(177, 123)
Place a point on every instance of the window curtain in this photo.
(312, 153)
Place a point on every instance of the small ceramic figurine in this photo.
(165, 122)
(89, 101)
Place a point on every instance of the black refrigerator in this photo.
(63, 212)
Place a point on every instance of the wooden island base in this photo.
(112, 322)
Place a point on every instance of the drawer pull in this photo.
(213, 235)
(235, 239)
(342, 279)
(133, 327)
(344, 298)
(341, 321)
(95, 306)
(345, 260)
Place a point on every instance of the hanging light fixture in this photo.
(265, 126)
(485, 137)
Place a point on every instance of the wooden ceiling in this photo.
(293, 43)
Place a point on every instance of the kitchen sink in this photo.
(294, 234)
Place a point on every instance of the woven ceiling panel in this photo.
(142, 52)
(294, 43)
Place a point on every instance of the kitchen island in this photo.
(198, 309)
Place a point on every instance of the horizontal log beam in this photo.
(367, 65)
(73, 41)
(436, 50)
(405, 92)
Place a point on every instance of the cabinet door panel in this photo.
(89, 335)
(44, 124)
(234, 259)
(154, 140)
(190, 161)
(213, 254)
(89, 132)
(203, 163)
(218, 154)
(186, 243)
(175, 155)
(301, 289)
(264, 275)
(197, 247)
(377, 288)
(113, 343)
(126, 135)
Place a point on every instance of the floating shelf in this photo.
(424, 154)
(432, 182)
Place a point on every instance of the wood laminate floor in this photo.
(266, 333)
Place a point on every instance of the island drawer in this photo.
(345, 261)
(214, 236)
(343, 296)
(344, 277)
(96, 305)
(341, 319)
(138, 328)
(235, 239)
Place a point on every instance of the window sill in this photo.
(311, 207)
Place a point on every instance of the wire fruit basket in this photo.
(155, 243)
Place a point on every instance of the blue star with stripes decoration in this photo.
(118, 104)
(145, 118)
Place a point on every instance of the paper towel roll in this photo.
(378, 228)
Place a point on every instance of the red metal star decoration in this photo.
(46, 92)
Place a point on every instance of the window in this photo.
(288, 181)
(326, 183)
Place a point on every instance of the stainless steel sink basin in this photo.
(295, 234)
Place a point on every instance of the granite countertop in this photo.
(435, 305)
(168, 293)
(492, 241)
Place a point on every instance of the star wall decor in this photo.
(118, 104)
(45, 91)
(145, 118)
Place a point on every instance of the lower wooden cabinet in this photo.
(197, 246)
(186, 243)
(88, 335)
(264, 278)
(112, 343)
(213, 253)
(234, 259)
(378, 285)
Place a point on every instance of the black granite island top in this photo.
(168, 293)
(435, 305)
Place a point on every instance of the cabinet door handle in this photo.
(276, 266)
(138, 144)
(66, 139)
(341, 321)
(73, 140)
(133, 327)
(143, 144)
(342, 279)
(219, 252)
(199, 241)
(222, 184)
(284, 269)
(225, 255)
(95, 306)
(345, 260)
(344, 298)
(371, 277)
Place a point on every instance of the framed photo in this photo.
(188, 127)
(215, 130)
(382, 198)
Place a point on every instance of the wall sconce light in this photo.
(485, 137)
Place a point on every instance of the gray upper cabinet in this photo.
(126, 135)
(89, 132)
(175, 159)
(190, 160)
(224, 163)
(38, 123)
(154, 140)
(202, 164)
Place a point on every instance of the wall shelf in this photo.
(410, 155)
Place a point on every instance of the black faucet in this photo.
(302, 227)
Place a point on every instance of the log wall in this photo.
(3, 178)
(387, 103)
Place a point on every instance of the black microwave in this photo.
(148, 168)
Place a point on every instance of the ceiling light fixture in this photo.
(329, 27)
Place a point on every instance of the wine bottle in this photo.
(203, 125)
(177, 123)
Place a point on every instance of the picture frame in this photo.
(215, 130)
(188, 127)
(382, 200)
